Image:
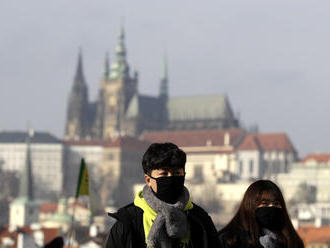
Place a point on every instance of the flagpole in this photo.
(72, 223)
(82, 189)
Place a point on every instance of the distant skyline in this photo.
(271, 58)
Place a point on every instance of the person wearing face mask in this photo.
(162, 214)
(262, 220)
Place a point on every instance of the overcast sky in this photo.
(271, 57)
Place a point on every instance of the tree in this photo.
(208, 199)
(305, 193)
(9, 182)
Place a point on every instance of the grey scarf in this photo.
(269, 239)
(170, 222)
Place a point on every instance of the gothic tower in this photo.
(99, 120)
(117, 90)
(163, 89)
(24, 210)
(163, 94)
(77, 111)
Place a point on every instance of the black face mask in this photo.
(271, 218)
(169, 188)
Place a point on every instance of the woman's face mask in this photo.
(271, 218)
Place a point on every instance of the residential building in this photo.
(59, 219)
(300, 175)
(264, 155)
(316, 159)
(210, 153)
(312, 214)
(28, 236)
(46, 210)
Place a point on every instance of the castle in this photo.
(121, 110)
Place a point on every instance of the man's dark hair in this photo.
(163, 156)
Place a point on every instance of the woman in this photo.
(262, 220)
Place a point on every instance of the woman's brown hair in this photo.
(244, 221)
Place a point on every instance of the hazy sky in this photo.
(271, 57)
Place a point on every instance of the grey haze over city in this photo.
(271, 58)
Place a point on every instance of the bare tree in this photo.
(209, 200)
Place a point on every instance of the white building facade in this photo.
(211, 154)
(47, 158)
(264, 155)
(92, 152)
(316, 176)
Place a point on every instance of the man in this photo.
(162, 215)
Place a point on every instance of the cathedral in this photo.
(121, 110)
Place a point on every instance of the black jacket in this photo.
(240, 240)
(128, 231)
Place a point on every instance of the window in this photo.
(251, 166)
(240, 169)
(198, 174)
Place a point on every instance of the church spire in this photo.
(106, 72)
(120, 69)
(26, 182)
(79, 77)
(163, 90)
(121, 48)
(77, 111)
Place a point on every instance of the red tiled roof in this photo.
(267, 142)
(250, 142)
(48, 207)
(195, 138)
(49, 234)
(314, 234)
(77, 204)
(5, 233)
(318, 157)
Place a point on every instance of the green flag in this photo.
(83, 180)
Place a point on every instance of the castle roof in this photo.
(144, 107)
(199, 107)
